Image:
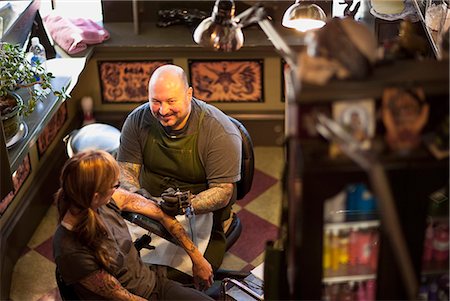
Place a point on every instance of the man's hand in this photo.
(171, 205)
(202, 273)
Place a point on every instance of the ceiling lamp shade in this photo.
(304, 17)
(220, 31)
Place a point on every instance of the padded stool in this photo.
(93, 136)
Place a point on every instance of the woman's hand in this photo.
(203, 274)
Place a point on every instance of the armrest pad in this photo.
(221, 274)
(149, 225)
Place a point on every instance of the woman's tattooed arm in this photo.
(104, 284)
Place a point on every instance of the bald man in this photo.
(177, 141)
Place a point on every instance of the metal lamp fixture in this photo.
(304, 17)
(220, 31)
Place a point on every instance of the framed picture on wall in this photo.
(52, 129)
(126, 81)
(18, 178)
(227, 80)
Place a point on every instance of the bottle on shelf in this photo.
(353, 247)
(334, 250)
(326, 251)
(343, 247)
(370, 290)
(38, 52)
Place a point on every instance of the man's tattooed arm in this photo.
(104, 284)
(215, 197)
(129, 176)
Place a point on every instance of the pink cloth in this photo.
(74, 35)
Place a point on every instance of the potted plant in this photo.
(16, 72)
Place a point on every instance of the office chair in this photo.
(106, 137)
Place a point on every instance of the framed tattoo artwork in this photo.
(18, 178)
(52, 129)
(126, 81)
(227, 80)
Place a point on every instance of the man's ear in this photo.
(189, 93)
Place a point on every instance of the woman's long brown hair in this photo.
(82, 176)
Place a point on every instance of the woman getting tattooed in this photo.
(92, 247)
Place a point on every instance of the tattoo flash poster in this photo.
(18, 178)
(126, 82)
(227, 81)
(52, 129)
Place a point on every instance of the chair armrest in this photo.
(149, 224)
(221, 274)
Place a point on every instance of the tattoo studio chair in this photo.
(107, 137)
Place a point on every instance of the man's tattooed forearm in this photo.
(214, 198)
(129, 176)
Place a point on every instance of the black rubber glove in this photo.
(144, 193)
(170, 204)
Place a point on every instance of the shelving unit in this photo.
(412, 177)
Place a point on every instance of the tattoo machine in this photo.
(184, 199)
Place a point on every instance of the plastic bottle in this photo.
(343, 247)
(353, 247)
(38, 52)
(370, 290)
(361, 292)
(334, 250)
(346, 293)
(373, 260)
(326, 251)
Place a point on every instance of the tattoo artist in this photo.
(177, 141)
(92, 246)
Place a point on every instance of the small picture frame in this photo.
(227, 80)
(18, 178)
(358, 118)
(126, 81)
(52, 129)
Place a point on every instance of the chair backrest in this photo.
(247, 163)
(66, 292)
(245, 183)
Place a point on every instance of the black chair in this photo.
(66, 291)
